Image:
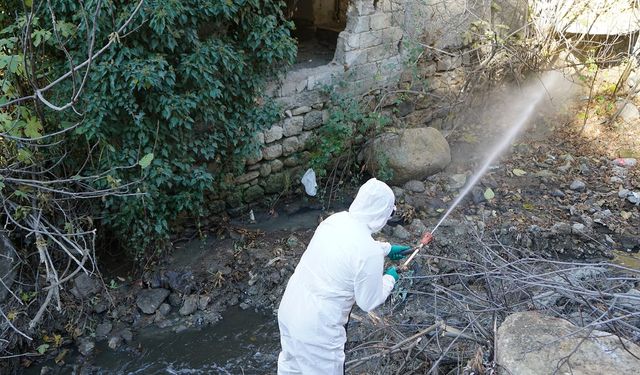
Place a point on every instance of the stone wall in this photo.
(370, 54)
(325, 11)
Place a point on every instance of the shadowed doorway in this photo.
(317, 25)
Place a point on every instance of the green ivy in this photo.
(184, 88)
(350, 123)
(173, 103)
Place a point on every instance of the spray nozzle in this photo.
(428, 237)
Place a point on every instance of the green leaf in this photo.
(37, 38)
(27, 296)
(5, 121)
(113, 181)
(519, 172)
(33, 128)
(146, 160)
(489, 194)
(8, 43)
(42, 348)
(13, 63)
(25, 156)
(21, 194)
(65, 28)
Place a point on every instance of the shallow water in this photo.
(243, 342)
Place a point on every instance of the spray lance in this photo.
(426, 238)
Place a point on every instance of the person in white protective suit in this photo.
(343, 264)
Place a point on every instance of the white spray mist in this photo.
(548, 86)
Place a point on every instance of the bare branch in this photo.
(38, 93)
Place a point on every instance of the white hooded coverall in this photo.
(343, 264)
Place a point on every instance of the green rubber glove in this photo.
(396, 252)
(392, 271)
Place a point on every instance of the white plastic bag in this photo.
(309, 182)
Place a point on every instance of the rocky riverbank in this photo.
(554, 226)
(557, 225)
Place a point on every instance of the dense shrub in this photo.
(173, 103)
(184, 88)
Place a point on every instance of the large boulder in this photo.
(530, 343)
(410, 154)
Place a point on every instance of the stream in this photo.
(243, 342)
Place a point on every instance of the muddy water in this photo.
(244, 342)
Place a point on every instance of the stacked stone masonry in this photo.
(369, 55)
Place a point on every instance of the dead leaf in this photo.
(519, 172)
(625, 215)
(60, 357)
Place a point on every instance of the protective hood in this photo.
(373, 205)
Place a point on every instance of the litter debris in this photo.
(309, 182)
(625, 162)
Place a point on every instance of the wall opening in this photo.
(318, 23)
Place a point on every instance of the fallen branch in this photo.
(397, 347)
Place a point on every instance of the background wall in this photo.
(372, 52)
